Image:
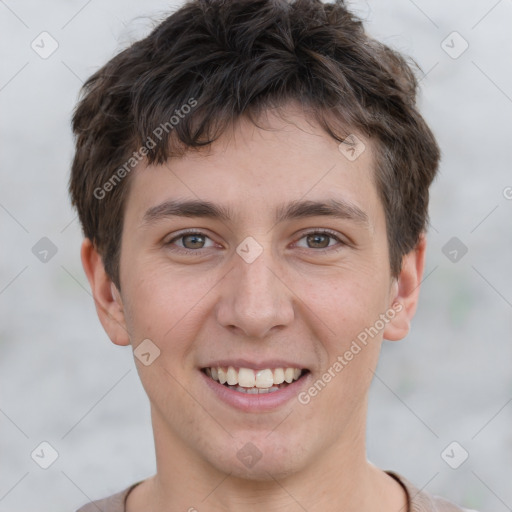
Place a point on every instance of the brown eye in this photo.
(190, 241)
(195, 241)
(318, 240)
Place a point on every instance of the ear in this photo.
(107, 298)
(405, 292)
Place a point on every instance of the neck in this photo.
(340, 479)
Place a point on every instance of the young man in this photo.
(252, 180)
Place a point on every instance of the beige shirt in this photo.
(417, 501)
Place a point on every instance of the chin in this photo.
(258, 458)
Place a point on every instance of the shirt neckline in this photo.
(406, 486)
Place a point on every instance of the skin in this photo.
(294, 300)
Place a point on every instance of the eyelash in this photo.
(331, 234)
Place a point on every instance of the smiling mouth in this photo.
(256, 382)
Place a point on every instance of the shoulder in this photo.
(422, 501)
(114, 503)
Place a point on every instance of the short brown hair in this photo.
(227, 58)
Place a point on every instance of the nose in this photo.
(254, 298)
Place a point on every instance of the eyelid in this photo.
(170, 244)
(185, 232)
(310, 231)
(323, 231)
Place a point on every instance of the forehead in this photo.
(254, 171)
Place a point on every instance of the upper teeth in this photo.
(248, 378)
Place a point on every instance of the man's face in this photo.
(259, 290)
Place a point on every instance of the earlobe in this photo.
(107, 299)
(405, 292)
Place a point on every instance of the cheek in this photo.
(349, 310)
(164, 308)
(165, 305)
(346, 304)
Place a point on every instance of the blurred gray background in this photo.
(62, 381)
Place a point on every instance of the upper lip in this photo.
(254, 365)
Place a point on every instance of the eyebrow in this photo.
(337, 208)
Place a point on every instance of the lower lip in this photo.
(255, 402)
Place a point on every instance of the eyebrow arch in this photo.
(338, 208)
